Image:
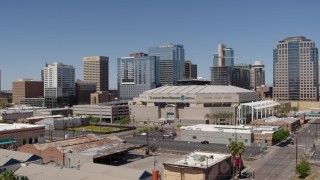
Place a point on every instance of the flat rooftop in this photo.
(219, 128)
(15, 126)
(198, 89)
(275, 119)
(201, 159)
(11, 111)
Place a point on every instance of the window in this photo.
(194, 137)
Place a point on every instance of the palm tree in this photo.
(234, 150)
(240, 152)
(8, 175)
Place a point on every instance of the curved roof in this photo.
(197, 89)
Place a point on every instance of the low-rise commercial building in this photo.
(74, 152)
(64, 122)
(109, 112)
(189, 104)
(289, 123)
(200, 166)
(88, 171)
(10, 116)
(15, 135)
(219, 134)
(263, 135)
(53, 111)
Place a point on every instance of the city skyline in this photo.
(66, 32)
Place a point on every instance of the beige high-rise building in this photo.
(295, 70)
(96, 69)
(257, 75)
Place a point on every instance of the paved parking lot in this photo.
(147, 163)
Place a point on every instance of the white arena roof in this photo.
(197, 89)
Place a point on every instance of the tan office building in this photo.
(96, 69)
(26, 88)
(295, 70)
(189, 104)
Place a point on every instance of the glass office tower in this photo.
(136, 75)
(171, 63)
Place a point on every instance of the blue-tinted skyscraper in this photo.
(171, 62)
(136, 75)
(295, 70)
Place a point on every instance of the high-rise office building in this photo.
(27, 90)
(59, 84)
(171, 62)
(96, 69)
(241, 77)
(190, 70)
(223, 61)
(136, 75)
(295, 70)
(257, 75)
(224, 57)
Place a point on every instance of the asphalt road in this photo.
(184, 146)
(280, 162)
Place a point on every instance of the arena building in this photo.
(189, 104)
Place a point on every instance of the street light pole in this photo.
(296, 150)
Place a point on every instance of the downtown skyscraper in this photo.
(171, 62)
(295, 70)
(137, 74)
(96, 70)
(59, 82)
(221, 72)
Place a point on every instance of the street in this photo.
(280, 162)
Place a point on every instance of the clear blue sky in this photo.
(35, 32)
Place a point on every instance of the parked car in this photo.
(204, 142)
(167, 136)
(246, 174)
(172, 133)
(143, 134)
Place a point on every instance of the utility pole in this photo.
(296, 150)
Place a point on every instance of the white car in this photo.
(143, 134)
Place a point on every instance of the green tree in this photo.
(281, 135)
(303, 168)
(2, 105)
(124, 121)
(294, 108)
(93, 119)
